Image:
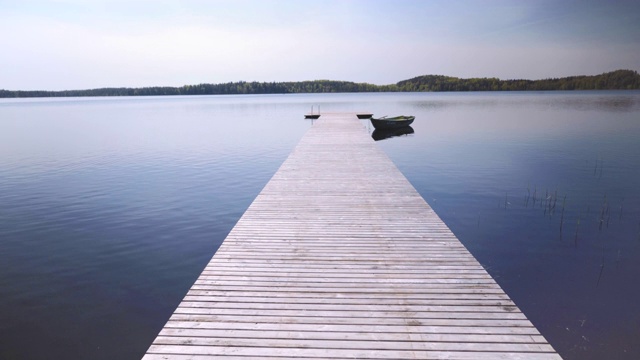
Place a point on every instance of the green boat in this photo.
(392, 122)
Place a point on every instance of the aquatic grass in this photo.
(596, 168)
(621, 203)
(575, 238)
(607, 214)
(546, 199)
(551, 201)
(554, 200)
(601, 269)
(601, 167)
(564, 200)
(603, 212)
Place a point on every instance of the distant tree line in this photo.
(619, 79)
(241, 87)
(615, 80)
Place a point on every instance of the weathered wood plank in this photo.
(318, 302)
(333, 356)
(353, 328)
(402, 321)
(410, 342)
(336, 296)
(331, 353)
(351, 314)
(339, 257)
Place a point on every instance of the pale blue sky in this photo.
(78, 44)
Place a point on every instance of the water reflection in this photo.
(110, 208)
(542, 189)
(617, 101)
(380, 134)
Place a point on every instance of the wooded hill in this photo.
(615, 80)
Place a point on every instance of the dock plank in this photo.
(339, 257)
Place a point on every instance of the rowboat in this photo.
(312, 115)
(392, 122)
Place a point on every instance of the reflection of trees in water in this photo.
(579, 100)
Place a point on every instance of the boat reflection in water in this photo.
(381, 134)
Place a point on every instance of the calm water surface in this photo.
(111, 207)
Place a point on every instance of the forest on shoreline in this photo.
(614, 80)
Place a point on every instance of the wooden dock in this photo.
(339, 257)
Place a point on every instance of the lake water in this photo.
(111, 207)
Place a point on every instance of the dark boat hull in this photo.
(379, 134)
(392, 123)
